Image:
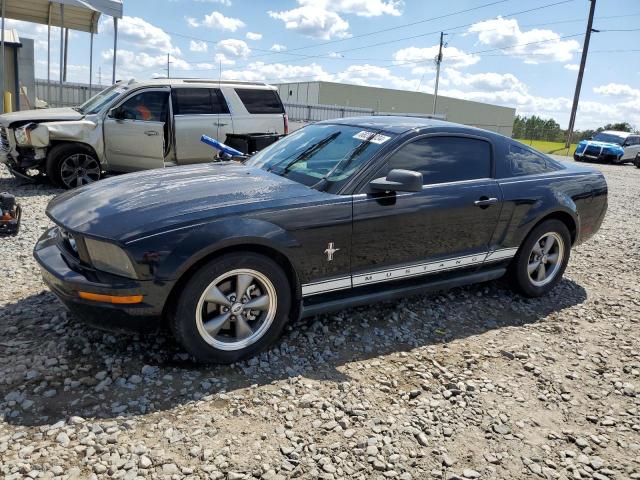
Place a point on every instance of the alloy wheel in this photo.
(236, 309)
(79, 169)
(545, 259)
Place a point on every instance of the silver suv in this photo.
(136, 126)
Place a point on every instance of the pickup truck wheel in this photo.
(72, 165)
(232, 308)
(542, 258)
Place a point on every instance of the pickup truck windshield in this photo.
(98, 102)
(321, 154)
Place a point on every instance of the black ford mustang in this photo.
(337, 214)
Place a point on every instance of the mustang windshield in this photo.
(96, 103)
(321, 154)
(609, 138)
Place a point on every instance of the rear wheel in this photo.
(542, 258)
(72, 165)
(636, 161)
(232, 308)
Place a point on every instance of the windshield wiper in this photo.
(354, 154)
(306, 153)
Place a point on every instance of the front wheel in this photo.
(542, 258)
(72, 165)
(232, 308)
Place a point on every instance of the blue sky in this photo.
(494, 53)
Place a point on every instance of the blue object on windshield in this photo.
(221, 146)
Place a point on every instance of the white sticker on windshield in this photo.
(377, 138)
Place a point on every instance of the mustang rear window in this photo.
(527, 162)
(260, 101)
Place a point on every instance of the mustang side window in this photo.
(444, 159)
(526, 162)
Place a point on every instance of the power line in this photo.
(411, 24)
(431, 33)
(291, 52)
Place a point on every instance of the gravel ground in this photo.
(477, 382)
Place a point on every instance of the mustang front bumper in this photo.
(66, 277)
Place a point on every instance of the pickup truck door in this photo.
(446, 226)
(197, 112)
(135, 131)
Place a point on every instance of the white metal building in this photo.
(386, 100)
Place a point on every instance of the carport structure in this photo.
(80, 15)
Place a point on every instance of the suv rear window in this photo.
(198, 101)
(260, 101)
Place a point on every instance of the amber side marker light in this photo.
(96, 297)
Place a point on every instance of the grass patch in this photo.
(555, 148)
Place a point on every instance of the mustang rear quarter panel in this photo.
(529, 199)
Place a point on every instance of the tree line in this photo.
(537, 128)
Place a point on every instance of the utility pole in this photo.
(100, 76)
(583, 61)
(438, 62)
(168, 63)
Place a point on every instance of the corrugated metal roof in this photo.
(79, 15)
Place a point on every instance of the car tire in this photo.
(533, 269)
(636, 162)
(71, 165)
(213, 326)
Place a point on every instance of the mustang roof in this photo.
(397, 123)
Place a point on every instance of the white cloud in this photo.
(221, 58)
(132, 64)
(533, 46)
(142, 34)
(618, 90)
(361, 8)
(234, 48)
(276, 47)
(452, 56)
(254, 36)
(219, 21)
(192, 22)
(259, 71)
(226, 3)
(198, 46)
(314, 22)
(572, 66)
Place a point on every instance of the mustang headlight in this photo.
(109, 258)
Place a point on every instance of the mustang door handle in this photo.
(150, 133)
(484, 202)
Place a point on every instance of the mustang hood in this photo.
(43, 115)
(123, 207)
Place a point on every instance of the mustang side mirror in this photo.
(117, 113)
(398, 180)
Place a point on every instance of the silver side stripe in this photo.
(406, 271)
(326, 286)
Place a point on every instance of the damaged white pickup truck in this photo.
(136, 126)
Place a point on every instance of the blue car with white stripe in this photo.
(609, 146)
